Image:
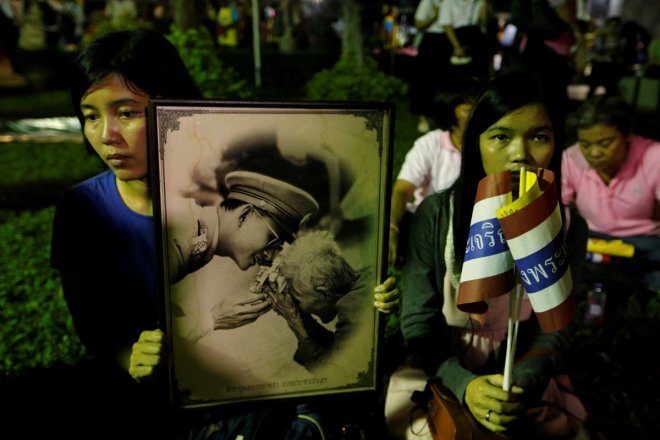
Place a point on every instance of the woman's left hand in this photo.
(493, 407)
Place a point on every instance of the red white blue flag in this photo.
(527, 232)
(488, 265)
(534, 232)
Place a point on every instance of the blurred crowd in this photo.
(602, 49)
(598, 49)
(66, 25)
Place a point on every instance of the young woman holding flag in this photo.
(513, 126)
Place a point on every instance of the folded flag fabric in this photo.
(534, 232)
(488, 265)
(527, 232)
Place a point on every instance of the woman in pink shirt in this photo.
(612, 176)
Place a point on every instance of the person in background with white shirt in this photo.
(464, 22)
(432, 61)
(120, 11)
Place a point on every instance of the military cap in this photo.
(288, 205)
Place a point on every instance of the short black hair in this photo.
(142, 58)
(457, 91)
(502, 95)
(611, 110)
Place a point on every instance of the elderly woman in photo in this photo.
(310, 279)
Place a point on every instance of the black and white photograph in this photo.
(271, 230)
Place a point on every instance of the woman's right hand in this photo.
(387, 297)
(147, 354)
(493, 407)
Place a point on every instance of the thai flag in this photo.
(488, 265)
(534, 232)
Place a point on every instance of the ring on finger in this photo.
(488, 415)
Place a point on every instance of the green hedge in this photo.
(36, 326)
(34, 175)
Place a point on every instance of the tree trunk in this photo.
(188, 14)
(286, 43)
(352, 46)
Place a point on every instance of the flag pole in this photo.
(515, 303)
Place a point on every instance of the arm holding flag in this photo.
(431, 338)
(516, 260)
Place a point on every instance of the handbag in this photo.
(448, 419)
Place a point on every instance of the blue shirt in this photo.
(111, 248)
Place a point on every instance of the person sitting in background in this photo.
(612, 176)
(514, 124)
(433, 162)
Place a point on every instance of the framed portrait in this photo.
(271, 235)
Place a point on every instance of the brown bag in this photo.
(449, 420)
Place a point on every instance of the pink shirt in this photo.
(432, 164)
(562, 43)
(630, 204)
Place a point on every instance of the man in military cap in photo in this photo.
(249, 226)
(257, 216)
